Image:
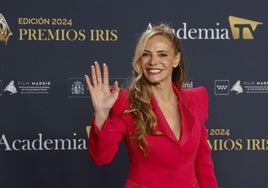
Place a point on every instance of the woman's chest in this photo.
(164, 151)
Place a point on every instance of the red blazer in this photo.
(171, 163)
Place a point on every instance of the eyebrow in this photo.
(159, 51)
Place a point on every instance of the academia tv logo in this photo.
(5, 32)
(238, 28)
(243, 28)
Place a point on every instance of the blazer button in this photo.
(172, 173)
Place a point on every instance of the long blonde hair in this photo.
(140, 91)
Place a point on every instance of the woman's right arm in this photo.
(107, 128)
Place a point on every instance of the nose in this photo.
(153, 60)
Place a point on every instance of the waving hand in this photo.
(102, 96)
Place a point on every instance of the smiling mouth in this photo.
(154, 71)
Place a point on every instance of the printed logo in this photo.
(243, 28)
(34, 87)
(28, 87)
(221, 87)
(5, 32)
(77, 87)
(11, 88)
(238, 28)
(237, 87)
(256, 87)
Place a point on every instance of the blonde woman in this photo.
(161, 123)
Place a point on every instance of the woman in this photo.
(161, 123)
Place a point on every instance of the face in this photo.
(158, 60)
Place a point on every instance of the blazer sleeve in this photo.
(103, 144)
(204, 164)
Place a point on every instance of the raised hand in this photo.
(102, 96)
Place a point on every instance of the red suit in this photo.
(171, 163)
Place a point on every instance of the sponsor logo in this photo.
(237, 87)
(255, 87)
(221, 87)
(77, 87)
(242, 28)
(11, 88)
(28, 87)
(5, 32)
(34, 87)
(239, 28)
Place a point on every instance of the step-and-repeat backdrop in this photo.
(46, 48)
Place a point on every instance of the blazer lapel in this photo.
(187, 118)
(162, 124)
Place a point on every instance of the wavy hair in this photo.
(140, 90)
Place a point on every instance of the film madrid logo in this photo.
(239, 28)
(5, 32)
(227, 87)
(11, 88)
(27, 87)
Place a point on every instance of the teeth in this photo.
(154, 70)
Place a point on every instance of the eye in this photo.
(145, 54)
(163, 55)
